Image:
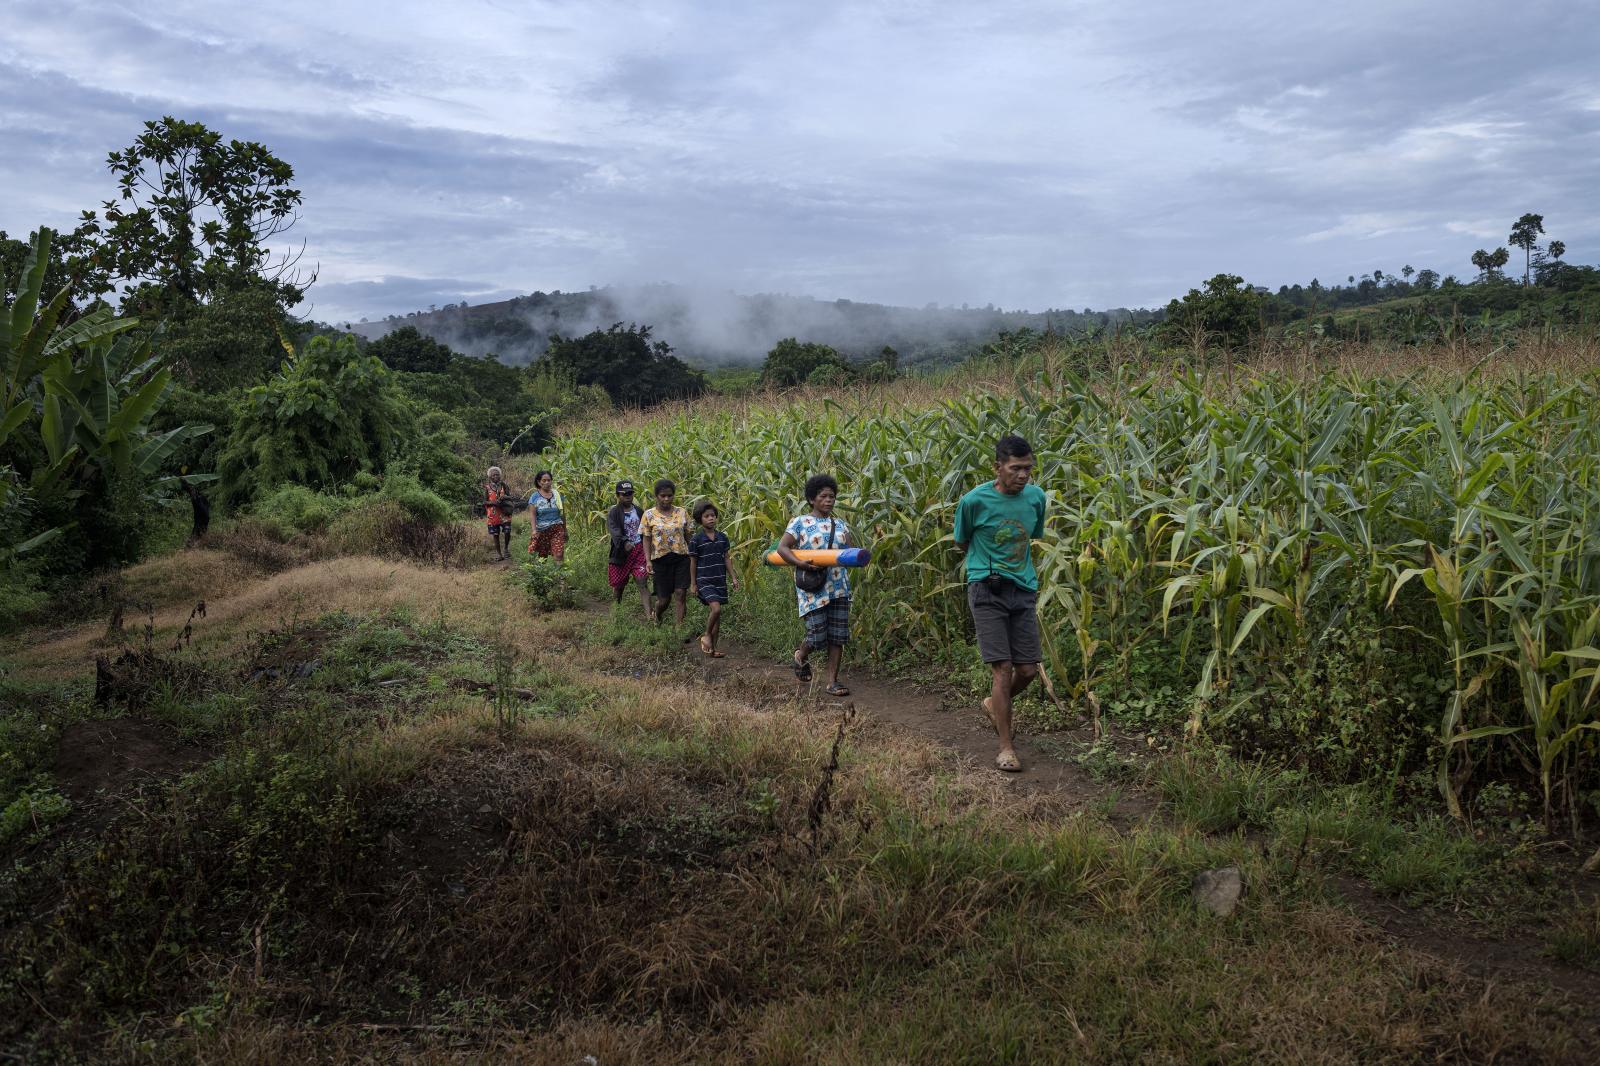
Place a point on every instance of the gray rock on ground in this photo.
(1218, 890)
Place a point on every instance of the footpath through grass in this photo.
(416, 820)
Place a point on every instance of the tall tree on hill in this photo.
(633, 370)
(193, 216)
(1525, 235)
(410, 350)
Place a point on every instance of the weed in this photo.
(30, 814)
(547, 583)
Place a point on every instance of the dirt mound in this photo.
(113, 755)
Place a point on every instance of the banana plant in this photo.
(86, 388)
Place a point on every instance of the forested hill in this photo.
(711, 328)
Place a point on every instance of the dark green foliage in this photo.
(76, 404)
(792, 363)
(189, 407)
(1226, 314)
(633, 370)
(234, 339)
(325, 416)
(192, 218)
(406, 349)
(436, 456)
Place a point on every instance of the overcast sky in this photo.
(1032, 155)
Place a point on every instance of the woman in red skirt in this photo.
(627, 547)
(549, 527)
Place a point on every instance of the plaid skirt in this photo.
(619, 576)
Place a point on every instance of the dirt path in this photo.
(767, 683)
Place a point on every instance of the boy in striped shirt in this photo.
(709, 574)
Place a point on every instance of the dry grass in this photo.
(641, 888)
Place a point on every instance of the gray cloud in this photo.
(1028, 154)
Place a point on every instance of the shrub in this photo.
(326, 415)
(293, 509)
(387, 528)
(417, 500)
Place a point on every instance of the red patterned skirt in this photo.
(548, 542)
(619, 576)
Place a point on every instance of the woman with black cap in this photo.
(627, 546)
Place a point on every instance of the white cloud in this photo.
(1026, 152)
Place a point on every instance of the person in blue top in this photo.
(826, 608)
(549, 526)
(996, 525)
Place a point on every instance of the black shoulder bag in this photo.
(814, 580)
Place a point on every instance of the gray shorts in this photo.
(1006, 616)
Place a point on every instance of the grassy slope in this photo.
(373, 863)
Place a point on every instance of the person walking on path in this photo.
(497, 496)
(996, 525)
(627, 547)
(709, 574)
(549, 526)
(665, 528)
(822, 592)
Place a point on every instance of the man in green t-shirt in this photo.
(996, 525)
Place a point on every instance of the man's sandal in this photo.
(802, 669)
(988, 712)
(1008, 761)
(836, 689)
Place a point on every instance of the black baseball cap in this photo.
(624, 486)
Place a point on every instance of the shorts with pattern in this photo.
(548, 542)
(495, 528)
(828, 626)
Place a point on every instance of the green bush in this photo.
(326, 415)
(417, 500)
(437, 457)
(295, 509)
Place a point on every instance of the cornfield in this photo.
(1237, 525)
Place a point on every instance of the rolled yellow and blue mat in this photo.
(824, 556)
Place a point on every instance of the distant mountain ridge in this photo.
(712, 328)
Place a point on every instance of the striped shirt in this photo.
(710, 566)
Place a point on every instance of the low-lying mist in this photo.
(708, 327)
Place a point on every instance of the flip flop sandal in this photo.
(802, 670)
(705, 647)
(836, 689)
(1008, 761)
(988, 712)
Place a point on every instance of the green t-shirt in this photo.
(999, 531)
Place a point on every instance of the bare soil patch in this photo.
(111, 756)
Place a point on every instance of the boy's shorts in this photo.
(496, 527)
(672, 573)
(1006, 616)
(828, 626)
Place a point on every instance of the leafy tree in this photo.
(233, 340)
(624, 362)
(329, 413)
(192, 216)
(1427, 280)
(410, 350)
(1489, 263)
(1406, 272)
(1525, 234)
(1227, 312)
(790, 363)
